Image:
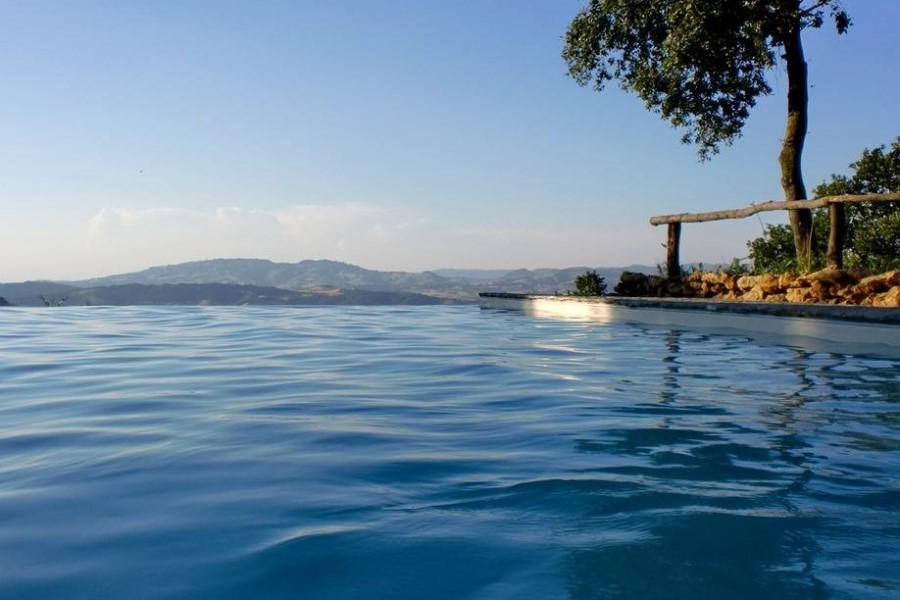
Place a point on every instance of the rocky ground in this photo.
(829, 286)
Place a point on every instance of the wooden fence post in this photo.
(837, 221)
(673, 266)
(837, 225)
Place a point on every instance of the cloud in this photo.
(352, 232)
(117, 240)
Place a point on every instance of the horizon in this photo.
(435, 271)
(414, 136)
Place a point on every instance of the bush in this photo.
(873, 229)
(774, 252)
(590, 284)
(735, 269)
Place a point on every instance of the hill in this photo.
(224, 294)
(292, 276)
(304, 282)
(457, 285)
(28, 293)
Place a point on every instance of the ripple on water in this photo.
(436, 452)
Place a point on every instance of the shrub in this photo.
(873, 229)
(590, 284)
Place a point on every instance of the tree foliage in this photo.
(590, 284)
(873, 229)
(700, 64)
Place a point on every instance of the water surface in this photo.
(436, 452)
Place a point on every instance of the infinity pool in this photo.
(436, 452)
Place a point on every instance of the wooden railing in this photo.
(835, 206)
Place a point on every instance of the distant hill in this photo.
(218, 294)
(452, 284)
(257, 281)
(29, 293)
(480, 274)
(292, 276)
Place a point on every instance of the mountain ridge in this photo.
(227, 294)
(314, 276)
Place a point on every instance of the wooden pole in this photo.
(740, 213)
(837, 225)
(836, 234)
(673, 265)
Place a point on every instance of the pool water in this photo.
(436, 452)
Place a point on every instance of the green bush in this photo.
(590, 284)
(872, 240)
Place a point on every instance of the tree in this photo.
(590, 284)
(872, 229)
(701, 64)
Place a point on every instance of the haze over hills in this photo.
(319, 281)
(328, 273)
(227, 294)
(291, 276)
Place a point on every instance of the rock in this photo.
(714, 278)
(674, 288)
(770, 284)
(655, 286)
(693, 285)
(879, 283)
(828, 286)
(638, 284)
(888, 299)
(715, 284)
(764, 284)
(821, 290)
(852, 296)
(632, 277)
(631, 284)
(747, 282)
(755, 293)
(787, 280)
(796, 294)
(830, 277)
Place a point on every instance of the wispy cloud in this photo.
(117, 240)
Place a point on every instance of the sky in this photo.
(392, 134)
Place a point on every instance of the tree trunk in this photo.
(792, 144)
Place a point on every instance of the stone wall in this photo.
(829, 286)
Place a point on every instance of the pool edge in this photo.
(832, 323)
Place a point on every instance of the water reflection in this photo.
(751, 504)
(670, 385)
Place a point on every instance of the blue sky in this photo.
(403, 135)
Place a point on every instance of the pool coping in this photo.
(839, 327)
(843, 312)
